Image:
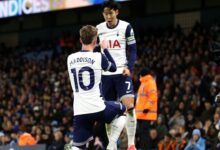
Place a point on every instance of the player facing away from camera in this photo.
(118, 84)
(85, 68)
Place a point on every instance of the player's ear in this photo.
(103, 14)
(80, 41)
(116, 12)
(94, 41)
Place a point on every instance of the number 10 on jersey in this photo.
(79, 78)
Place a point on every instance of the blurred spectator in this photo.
(216, 121)
(196, 142)
(68, 137)
(216, 145)
(211, 137)
(14, 138)
(166, 143)
(182, 131)
(161, 127)
(153, 139)
(190, 121)
(207, 113)
(2, 142)
(26, 139)
(179, 142)
(68, 141)
(57, 143)
(198, 125)
(207, 125)
(177, 119)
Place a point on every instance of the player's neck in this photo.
(87, 47)
(114, 24)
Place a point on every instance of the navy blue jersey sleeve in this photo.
(130, 39)
(108, 63)
(129, 35)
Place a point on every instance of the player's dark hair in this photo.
(87, 34)
(111, 4)
(145, 71)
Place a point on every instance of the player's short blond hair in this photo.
(87, 34)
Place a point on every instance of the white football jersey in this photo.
(117, 37)
(85, 76)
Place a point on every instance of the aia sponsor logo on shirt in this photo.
(114, 44)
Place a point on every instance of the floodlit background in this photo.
(178, 40)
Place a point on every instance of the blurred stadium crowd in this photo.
(36, 96)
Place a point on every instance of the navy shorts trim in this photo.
(82, 143)
(113, 110)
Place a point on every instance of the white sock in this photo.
(131, 124)
(75, 148)
(108, 132)
(117, 126)
(108, 129)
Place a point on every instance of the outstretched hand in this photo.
(104, 44)
(126, 72)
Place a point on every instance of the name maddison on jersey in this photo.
(82, 60)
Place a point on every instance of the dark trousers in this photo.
(143, 128)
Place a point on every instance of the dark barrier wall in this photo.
(36, 147)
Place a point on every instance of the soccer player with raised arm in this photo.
(85, 69)
(118, 84)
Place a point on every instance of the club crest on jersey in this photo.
(118, 33)
(114, 44)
